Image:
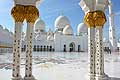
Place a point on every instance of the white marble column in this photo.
(29, 49)
(17, 51)
(91, 53)
(100, 75)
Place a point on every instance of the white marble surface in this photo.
(62, 66)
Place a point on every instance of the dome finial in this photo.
(61, 13)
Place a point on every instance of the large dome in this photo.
(61, 22)
(68, 30)
(82, 28)
(40, 25)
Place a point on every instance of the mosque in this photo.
(62, 39)
(6, 40)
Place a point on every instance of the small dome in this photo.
(6, 31)
(39, 25)
(38, 37)
(82, 28)
(68, 30)
(61, 22)
(50, 38)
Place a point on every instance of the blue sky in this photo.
(51, 9)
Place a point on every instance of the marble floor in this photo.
(60, 66)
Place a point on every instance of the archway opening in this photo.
(72, 47)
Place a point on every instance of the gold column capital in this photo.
(99, 18)
(31, 14)
(89, 20)
(17, 13)
(95, 18)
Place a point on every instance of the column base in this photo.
(91, 77)
(29, 78)
(102, 77)
(17, 78)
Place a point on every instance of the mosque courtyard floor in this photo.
(60, 66)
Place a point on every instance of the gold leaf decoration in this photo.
(95, 19)
(18, 13)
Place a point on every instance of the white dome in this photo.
(50, 38)
(82, 28)
(68, 30)
(6, 31)
(38, 37)
(61, 22)
(39, 25)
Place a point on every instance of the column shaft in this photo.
(28, 67)
(17, 50)
(99, 52)
(100, 75)
(91, 52)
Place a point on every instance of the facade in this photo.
(6, 40)
(61, 40)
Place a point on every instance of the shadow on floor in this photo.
(113, 78)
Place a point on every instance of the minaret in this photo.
(112, 38)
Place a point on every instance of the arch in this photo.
(37, 48)
(41, 48)
(44, 48)
(79, 48)
(72, 47)
(47, 48)
(50, 48)
(34, 49)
